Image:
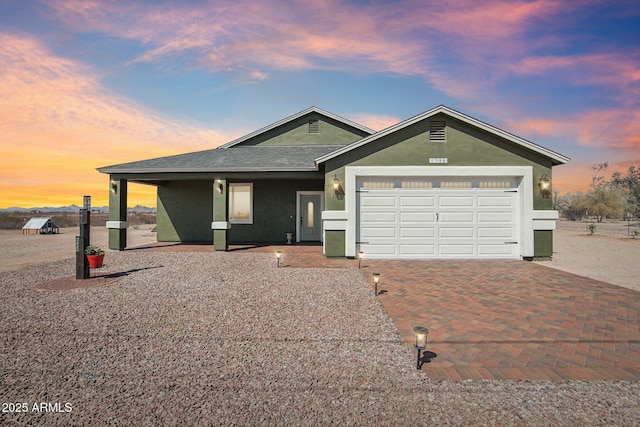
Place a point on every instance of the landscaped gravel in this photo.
(229, 339)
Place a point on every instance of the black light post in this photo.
(83, 240)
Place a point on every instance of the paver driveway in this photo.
(501, 319)
(513, 319)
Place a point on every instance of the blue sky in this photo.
(92, 83)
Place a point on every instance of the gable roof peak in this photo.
(555, 157)
(312, 109)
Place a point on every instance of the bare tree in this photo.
(596, 179)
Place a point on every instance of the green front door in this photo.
(310, 221)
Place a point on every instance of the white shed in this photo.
(40, 226)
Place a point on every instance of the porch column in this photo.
(117, 223)
(220, 224)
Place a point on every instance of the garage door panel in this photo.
(389, 201)
(455, 232)
(455, 201)
(417, 232)
(421, 201)
(419, 217)
(456, 250)
(379, 232)
(377, 217)
(496, 217)
(495, 232)
(380, 250)
(459, 217)
(417, 250)
(495, 201)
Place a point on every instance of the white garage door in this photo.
(418, 218)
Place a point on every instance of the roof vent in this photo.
(314, 126)
(437, 130)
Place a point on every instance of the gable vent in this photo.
(314, 126)
(437, 130)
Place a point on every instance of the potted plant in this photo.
(95, 255)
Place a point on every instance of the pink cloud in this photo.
(615, 69)
(59, 124)
(241, 36)
(375, 121)
(610, 128)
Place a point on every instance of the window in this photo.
(241, 203)
(314, 126)
(437, 130)
(310, 219)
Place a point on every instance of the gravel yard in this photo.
(228, 339)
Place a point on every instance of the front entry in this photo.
(309, 217)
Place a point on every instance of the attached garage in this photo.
(440, 185)
(438, 217)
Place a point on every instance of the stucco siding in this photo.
(185, 211)
(296, 132)
(543, 244)
(334, 243)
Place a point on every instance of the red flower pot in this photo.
(95, 261)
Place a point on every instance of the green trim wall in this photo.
(334, 243)
(542, 245)
(117, 212)
(185, 211)
(296, 132)
(465, 145)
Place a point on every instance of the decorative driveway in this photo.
(500, 319)
(513, 319)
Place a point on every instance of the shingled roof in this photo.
(232, 159)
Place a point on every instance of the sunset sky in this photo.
(85, 83)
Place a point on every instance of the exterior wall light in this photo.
(421, 343)
(336, 183)
(337, 187)
(360, 256)
(220, 187)
(114, 187)
(278, 256)
(544, 185)
(376, 281)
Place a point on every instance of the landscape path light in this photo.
(278, 256)
(376, 280)
(421, 343)
(360, 256)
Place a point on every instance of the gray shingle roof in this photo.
(232, 159)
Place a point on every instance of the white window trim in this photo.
(241, 221)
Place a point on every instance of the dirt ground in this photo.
(18, 250)
(609, 255)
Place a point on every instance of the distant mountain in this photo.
(72, 208)
(137, 208)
